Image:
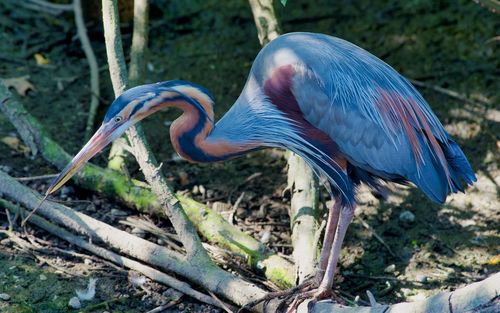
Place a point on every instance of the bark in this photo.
(304, 210)
(139, 145)
(304, 216)
(138, 51)
(481, 296)
(117, 259)
(199, 270)
(476, 297)
(265, 20)
(140, 39)
(138, 195)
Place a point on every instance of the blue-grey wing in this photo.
(382, 124)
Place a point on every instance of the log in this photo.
(137, 195)
(198, 270)
(476, 297)
(117, 259)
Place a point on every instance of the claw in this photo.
(285, 294)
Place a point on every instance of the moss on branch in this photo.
(136, 194)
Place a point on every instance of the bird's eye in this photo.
(118, 119)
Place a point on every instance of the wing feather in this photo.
(392, 133)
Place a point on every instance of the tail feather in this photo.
(437, 182)
(458, 164)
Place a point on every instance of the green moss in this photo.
(216, 229)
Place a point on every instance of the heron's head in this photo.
(129, 108)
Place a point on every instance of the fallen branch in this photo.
(136, 194)
(478, 297)
(196, 269)
(113, 257)
(466, 299)
(450, 93)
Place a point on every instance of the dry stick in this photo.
(136, 194)
(450, 93)
(197, 270)
(53, 6)
(304, 210)
(38, 177)
(93, 67)
(162, 308)
(377, 236)
(23, 222)
(115, 258)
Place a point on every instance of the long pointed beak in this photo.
(99, 141)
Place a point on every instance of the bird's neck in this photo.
(193, 138)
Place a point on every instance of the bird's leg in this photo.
(345, 218)
(306, 286)
(331, 226)
(341, 216)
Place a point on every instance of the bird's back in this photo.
(374, 116)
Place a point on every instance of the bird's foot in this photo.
(315, 295)
(285, 295)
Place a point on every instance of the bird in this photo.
(351, 116)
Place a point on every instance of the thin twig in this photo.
(162, 308)
(235, 208)
(39, 177)
(23, 222)
(94, 68)
(9, 219)
(450, 93)
(54, 6)
(374, 233)
(226, 307)
(371, 297)
(113, 257)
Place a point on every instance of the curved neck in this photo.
(193, 138)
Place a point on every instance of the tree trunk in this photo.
(304, 211)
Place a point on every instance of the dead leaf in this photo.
(494, 260)
(40, 59)
(21, 84)
(15, 144)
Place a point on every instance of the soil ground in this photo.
(443, 43)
